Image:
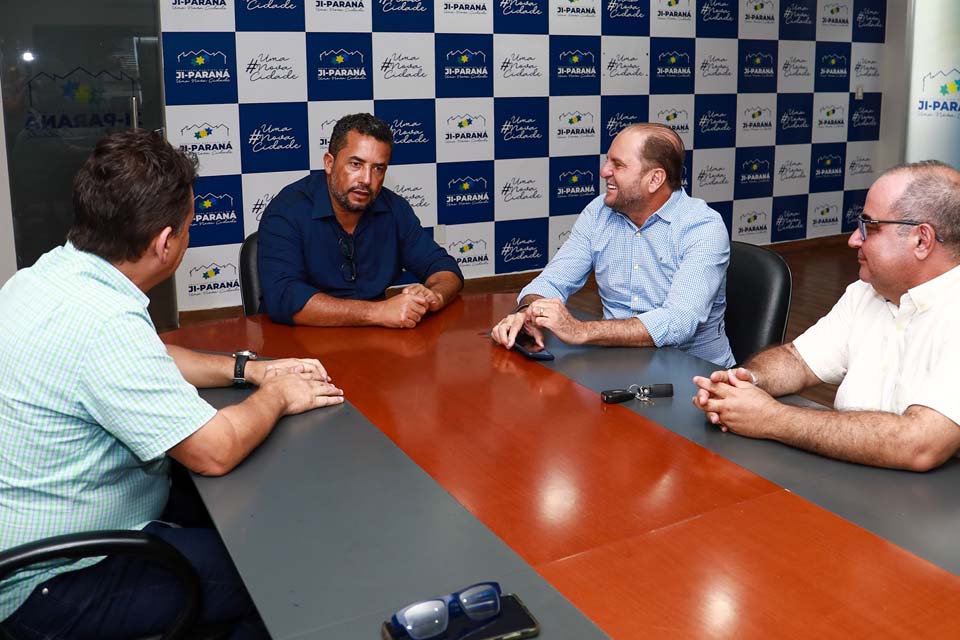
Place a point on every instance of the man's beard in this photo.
(343, 197)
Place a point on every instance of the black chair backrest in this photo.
(249, 276)
(758, 299)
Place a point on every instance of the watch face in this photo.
(250, 355)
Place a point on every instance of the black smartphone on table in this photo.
(513, 623)
(526, 345)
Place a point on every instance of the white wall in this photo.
(896, 83)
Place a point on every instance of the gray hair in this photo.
(933, 196)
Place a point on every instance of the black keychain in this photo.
(641, 392)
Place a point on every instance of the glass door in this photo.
(71, 73)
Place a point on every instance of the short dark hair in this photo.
(363, 123)
(932, 195)
(133, 186)
(662, 147)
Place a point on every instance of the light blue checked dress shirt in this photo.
(671, 273)
(90, 401)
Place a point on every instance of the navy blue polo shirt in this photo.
(299, 248)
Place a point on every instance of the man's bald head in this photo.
(929, 191)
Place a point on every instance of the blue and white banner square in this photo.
(830, 117)
(271, 67)
(791, 169)
(869, 20)
(417, 184)
(521, 16)
(824, 214)
(866, 65)
(758, 21)
(619, 112)
(716, 66)
(827, 167)
(259, 189)
(464, 65)
(575, 125)
(864, 120)
(853, 202)
(757, 66)
(403, 16)
(339, 66)
(863, 165)
(715, 121)
(211, 132)
(465, 129)
(339, 16)
(465, 192)
(207, 278)
(403, 66)
(751, 220)
(798, 19)
(197, 15)
(625, 66)
(756, 117)
(414, 127)
(199, 68)
(522, 188)
(671, 65)
(673, 18)
(796, 69)
(574, 182)
(832, 67)
(625, 18)
(575, 17)
(559, 230)
(574, 65)
(463, 16)
(794, 118)
(834, 20)
(522, 127)
(789, 218)
(713, 174)
(718, 18)
(754, 172)
(472, 246)
(217, 211)
(274, 137)
(522, 245)
(676, 112)
(271, 15)
(521, 65)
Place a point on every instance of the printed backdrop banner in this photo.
(502, 111)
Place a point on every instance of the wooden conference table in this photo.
(635, 514)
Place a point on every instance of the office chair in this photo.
(758, 299)
(99, 543)
(249, 276)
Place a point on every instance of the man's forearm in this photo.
(911, 441)
(445, 284)
(202, 370)
(781, 371)
(630, 332)
(323, 310)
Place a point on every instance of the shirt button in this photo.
(635, 267)
(635, 298)
(637, 234)
(45, 591)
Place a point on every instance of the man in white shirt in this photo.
(891, 341)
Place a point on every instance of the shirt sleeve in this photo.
(825, 347)
(133, 389)
(704, 253)
(568, 271)
(280, 260)
(419, 254)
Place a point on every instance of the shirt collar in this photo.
(317, 187)
(669, 208)
(927, 294)
(104, 271)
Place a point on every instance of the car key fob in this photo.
(616, 396)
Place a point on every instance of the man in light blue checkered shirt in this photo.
(660, 258)
(92, 403)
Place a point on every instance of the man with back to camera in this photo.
(92, 403)
(890, 341)
(331, 243)
(660, 259)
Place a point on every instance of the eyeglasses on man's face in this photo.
(349, 267)
(865, 222)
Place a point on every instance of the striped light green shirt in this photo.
(90, 401)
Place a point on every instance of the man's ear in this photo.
(327, 162)
(161, 244)
(926, 239)
(657, 178)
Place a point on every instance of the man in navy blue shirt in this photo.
(331, 243)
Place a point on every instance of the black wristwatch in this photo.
(240, 364)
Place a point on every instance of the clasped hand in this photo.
(731, 401)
